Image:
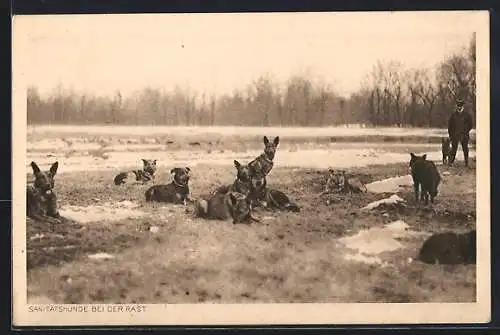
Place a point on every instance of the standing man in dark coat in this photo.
(459, 126)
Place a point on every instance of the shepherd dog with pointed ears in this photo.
(41, 201)
(177, 192)
(242, 184)
(145, 175)
(264, 162)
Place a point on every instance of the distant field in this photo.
(103, 147)
(344, 133)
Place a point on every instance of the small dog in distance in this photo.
(446, 149)
(145, 175)
(338, 182)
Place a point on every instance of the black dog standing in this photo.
(459, 126)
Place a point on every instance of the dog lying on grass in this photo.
(41, 200)
(177, 192)
(277, 200)
(225, 206)
(338, 182)
(145, 175)
(268, 198)
(449, 248)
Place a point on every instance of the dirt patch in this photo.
(58, 244)
(110, 212)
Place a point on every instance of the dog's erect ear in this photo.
(53, 168)
(276, 141)
(35, 168)
(144, 160)
(233, 199)
(174, 170)
(412, 155)
(187, 169)
(424, 156)
(237, 164)
(266, 140)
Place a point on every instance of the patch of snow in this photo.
(100, 255)
(373, 241)
(306, 158)
(392, 200)
(365, 259)
(390, 185)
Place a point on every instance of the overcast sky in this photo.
(221, 52)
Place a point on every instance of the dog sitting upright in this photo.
(41, 201)
(264, 162)
(145, 175)
(177, 192)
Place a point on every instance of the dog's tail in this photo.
(149, 194)
(292, 207)
(281, 200)
(119, 178)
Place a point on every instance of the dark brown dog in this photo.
(276, 199)
(242, 184)
(177, 192)
(225, 206)
(41, 201)
(449, 248)
(426, 175)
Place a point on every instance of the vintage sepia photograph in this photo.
(251, 168)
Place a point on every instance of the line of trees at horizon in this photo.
(390, 95)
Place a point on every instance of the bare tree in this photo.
(426, 92)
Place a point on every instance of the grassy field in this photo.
(288, 257)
